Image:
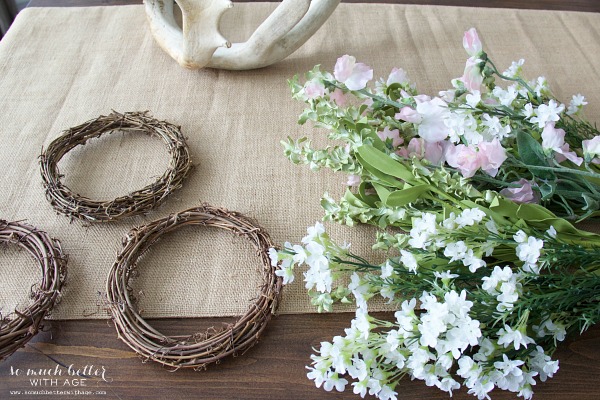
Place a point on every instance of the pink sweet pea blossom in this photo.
(433, 113)
(394, 135)
(464, 158)
(408, 114)
(338, 97)
(553, 140)
(591, 147)
(354, 75)
(398, 75)
(314, 89)
(432, 152)
(522, 194)
(491, 155)
(471, 43)
(473, 76)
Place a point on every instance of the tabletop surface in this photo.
(275, 368)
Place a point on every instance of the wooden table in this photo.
(275, 368)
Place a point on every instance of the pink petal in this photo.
(471, 42)
(343, 67)
(361, 74)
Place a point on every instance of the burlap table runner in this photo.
(62, 66)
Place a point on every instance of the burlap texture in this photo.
(62, 66)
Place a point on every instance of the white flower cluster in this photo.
(438, 337)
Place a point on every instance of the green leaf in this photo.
(547, 189)
(400, 198)
(382, 192)
(381, 177)
(382, 162)
(532, 153)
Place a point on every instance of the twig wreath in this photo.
(203, 348)
(18, 327)
(137, 202)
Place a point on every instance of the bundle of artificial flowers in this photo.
(475, 192)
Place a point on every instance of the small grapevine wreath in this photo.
(137, 202)
(18, 327)
(203, 348)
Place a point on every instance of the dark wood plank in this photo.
(572, 5)
(274, 369)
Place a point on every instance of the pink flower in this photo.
(394, 135)
(471, 43)
(339, 97)
(354, 75)
(433, 113)
(415, 147)
(434, 152)
(314, 89)
(492, 155)
(464, 158)
(408, 114)
(473, 76)
(522, 194)
(353, 180)
(398, 75)
(591, 147)
(553, 140)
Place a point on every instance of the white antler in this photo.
(200, 44)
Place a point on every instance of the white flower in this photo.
(472, 261)
(458, 304)
(286, 271)
(528, 110)
(515, 69)
(469, 217)
(361, 322)
(422, 230)
(432, 127)
(490, 283)
(547, 113)
(313, 232)
(409, 260)
(508, 336)
(317, 375)
(548, 327)
(300, 255)
(446, 275)
(359, 289)
(473, 98)
(529, 251)
(456, 251)
(551, 232)
(508, 294)
(577, 103)
(481, 388)
(405, 317)
(447, 384)
(542, 364)
(505, 97)
(511, 375)
(541, 86)
(274, 256)
(334, 381)
(387, 270)
(495, 129)
(387, 393)
(520, 237)
(360, 387)
(468, 369)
